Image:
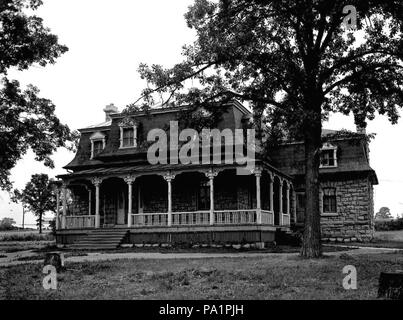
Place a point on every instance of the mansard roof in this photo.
(352, 155)
(155, 118)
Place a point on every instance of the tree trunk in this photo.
(40, 223)
(311, 244)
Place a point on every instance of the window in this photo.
(98, 147)
(301, 201)
(329, 200)
(97, 143)
(128, 133)
(328, 156)
(300, 207)
(203, 200)
(128, 137)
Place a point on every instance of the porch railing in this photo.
(267, 217)
(150, 219)
(79, 222)
(235, 216)
(286, 220)
(191, 218)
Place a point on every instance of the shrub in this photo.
(7, 224)
(389, 225)
(52, 225)
(27, 237)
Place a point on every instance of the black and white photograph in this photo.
(201, 154)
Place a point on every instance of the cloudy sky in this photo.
(107, 40)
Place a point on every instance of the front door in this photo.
(121, 208)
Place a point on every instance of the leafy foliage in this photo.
(294, 62)
(7, 224)
(38, 196)
(383, 213)
(389, 225)
(280, 55)
(26, 120)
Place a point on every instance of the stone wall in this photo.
(354, 218)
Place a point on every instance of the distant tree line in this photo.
(384, 220)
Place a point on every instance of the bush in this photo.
(27, 237)
(52, 226)
(389, 225)
(7, 224)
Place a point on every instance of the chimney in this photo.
(110, 108)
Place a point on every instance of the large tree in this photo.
(38, 196)
(294, 62)
(26, 120)
(383, 213)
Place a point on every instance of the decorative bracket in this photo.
(211, 174)
(129, 179)
(257, 171)
(169, 176)
(96, 181)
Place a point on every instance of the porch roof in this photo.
(159, 168)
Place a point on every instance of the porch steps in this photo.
(100, 239)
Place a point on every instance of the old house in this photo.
(112, 194)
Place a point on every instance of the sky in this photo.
(107, 41)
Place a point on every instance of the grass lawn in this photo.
(396, 236)
(14, 246)
(20, 240)
(278, 276)
(385, 239)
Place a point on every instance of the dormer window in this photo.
(128, 137)
(97, 144)
(128, 134)
(328, 156)
(98, 147)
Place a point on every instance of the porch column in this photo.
(64, 191)
(169, 177)
(258, 173)
(294, 207)
(97, 182)
(271, 193)
(129, 180)
(89, 201)
(57, 208)
(211, 174)
(88, 221)
(288, 197)
(280, 211)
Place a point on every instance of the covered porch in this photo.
(175, 197)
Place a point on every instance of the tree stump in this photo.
(391, 285)
(55, 260)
